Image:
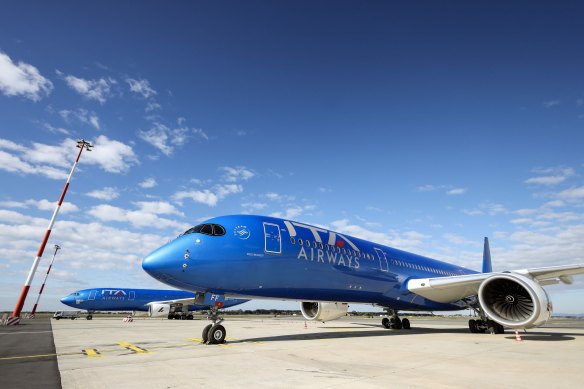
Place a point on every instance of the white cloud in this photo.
(486, 207)
(551, 103)
(272, 196)
(572, 194)
(141, 87)
(448, 189)
(167, 139)
(108, 247)
(22, 79)
(210, 197)
(99, 90)
(158, 208)
(55, 161)
(43, 205)
(253, 207)
(110, 155)
(148, 183)
(152, 106)
(238, 173)
(558, 175)
(107, 194)
(82, 115)
(144, 216)
(456, 191)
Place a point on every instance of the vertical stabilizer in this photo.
(487, 267)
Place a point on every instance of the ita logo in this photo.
(242, 232)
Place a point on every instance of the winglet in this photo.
(487, 267)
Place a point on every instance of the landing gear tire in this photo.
(205, 334)
(472, 326)
(216, 334)
(406, 324)
(189, 317)
(170, 316)
(396, 323)
(89, 317)
(385, 322)
(183, 317)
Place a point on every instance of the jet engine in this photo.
(323, 311)
(515, 301)
(158, 310)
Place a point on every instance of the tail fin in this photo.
(487, 267)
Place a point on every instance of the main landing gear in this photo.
(482, 325)
(394, 322)
(214, 333)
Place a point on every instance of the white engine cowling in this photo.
(158, 310)
(515, 301)
(323, 311)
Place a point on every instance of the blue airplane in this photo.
(174, 304)
(265, 257)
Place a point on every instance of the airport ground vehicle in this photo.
(66, 315)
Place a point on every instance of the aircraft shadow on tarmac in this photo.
(380, 331)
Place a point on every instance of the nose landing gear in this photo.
(214, 333)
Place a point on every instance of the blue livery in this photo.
(266, 257)
(131, 299)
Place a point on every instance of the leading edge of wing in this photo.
(451, 289)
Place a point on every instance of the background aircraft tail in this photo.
(487, 267)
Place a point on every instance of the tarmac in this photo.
(289, 352)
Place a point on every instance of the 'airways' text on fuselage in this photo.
(331, 257)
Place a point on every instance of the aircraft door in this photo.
(382, 259)
(92, 294)
(272, 237)
(132, 295)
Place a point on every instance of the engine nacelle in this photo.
(158, 310)
(515, 301)
(323, 311)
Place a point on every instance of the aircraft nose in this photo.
(67, 300)
(157, 262)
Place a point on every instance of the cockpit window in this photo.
(218, 230)
(207, 229)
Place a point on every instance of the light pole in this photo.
(14, 319)
(57, 248)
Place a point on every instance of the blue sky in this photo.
(422, 125)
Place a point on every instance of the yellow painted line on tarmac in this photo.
(92, 353)
(199, 340)
(136, 349)
(36, 356)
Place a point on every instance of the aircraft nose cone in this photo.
(67, 300)
(156, 262)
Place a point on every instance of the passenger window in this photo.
(300, 242)
(292, 240)
(321, 246)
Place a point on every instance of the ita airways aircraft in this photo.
(174, 304)
(264, 257)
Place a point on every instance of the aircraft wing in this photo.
(187, 301)
(451, 289)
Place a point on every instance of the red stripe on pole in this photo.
(43, 243)
(20, 302)
(42, 287)
(79, 155)
(63, 194)
(34, 309)
(49, 269)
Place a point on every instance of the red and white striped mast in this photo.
(81, 144)
(57, 248)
